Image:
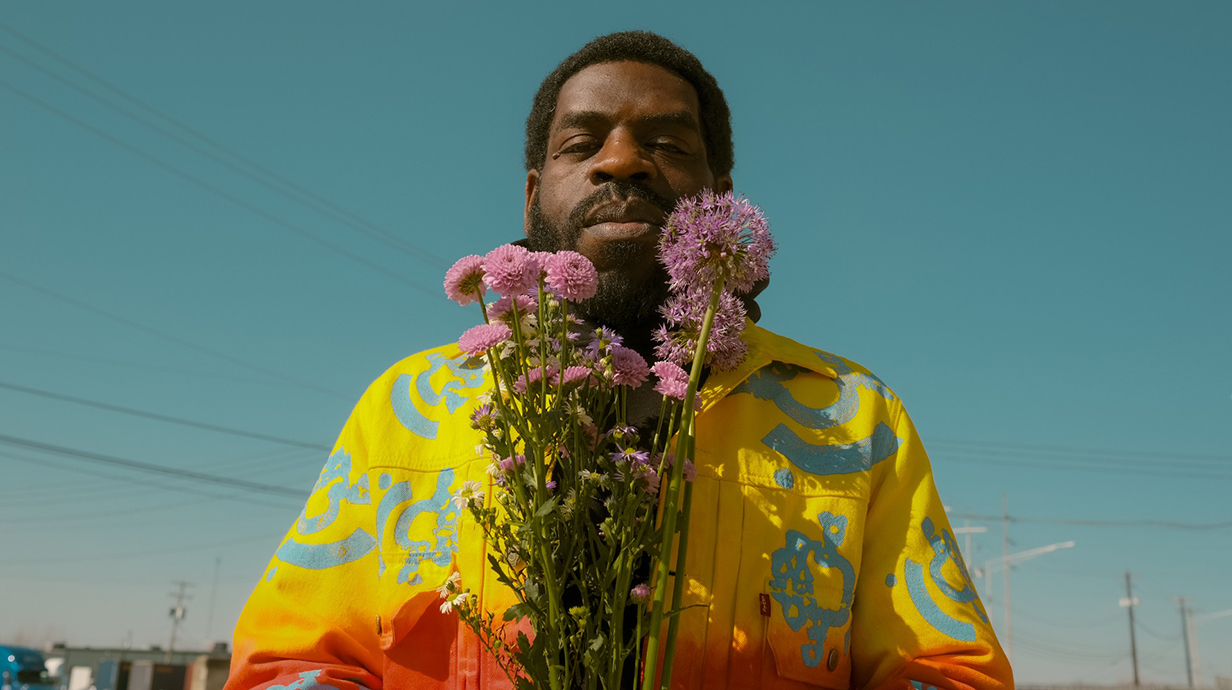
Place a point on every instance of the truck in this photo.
(22, 668)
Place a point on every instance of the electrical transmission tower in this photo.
(177, 613)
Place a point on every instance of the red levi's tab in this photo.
(765, 604)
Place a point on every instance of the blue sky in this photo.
(1016, 214)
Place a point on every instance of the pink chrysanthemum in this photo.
(510, 269)
(652, 478)
(534, 376)
(479, 338)
(716, 236)
(640, 594)
(571, 275)
(683, 314)
(689, 472)
(464, 281)
(511, 463)
(673, 381)
(628, 367)
(577, 375)
(501, 308)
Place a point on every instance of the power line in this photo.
(214, 189)
(128, 480)
(135, 554)
(312, 201)
(151, 468)
(43, 352)
(1069, 467)
(184, 342)
(1083, 450)
(1100, 523)
(165, 418)
(1099, 459)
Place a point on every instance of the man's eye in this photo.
(580, 146)
(665, 146)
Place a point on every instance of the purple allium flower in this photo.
(628, 367)
(510, 269)
(482, 337)
(571, 275)
(502, 309)
(716, 236)
(677, 337)
(640, 594)
(464, 281)
(577, 374)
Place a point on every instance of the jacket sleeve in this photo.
(917, 619)
(311, 619)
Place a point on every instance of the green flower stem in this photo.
(671, 512)
(678, 584)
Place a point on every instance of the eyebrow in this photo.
(582, 118)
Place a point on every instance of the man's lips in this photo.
(622, 230)
(625, 220)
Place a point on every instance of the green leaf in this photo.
(517, 611)
(547, 507)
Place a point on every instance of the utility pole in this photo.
(177, 613)
(1130, 602)
(1005, 555)
(1184, 636)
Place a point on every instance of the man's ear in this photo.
(532, 188)
(723, 184)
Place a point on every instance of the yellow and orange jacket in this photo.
(819, 550)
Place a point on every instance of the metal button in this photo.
(832, 659)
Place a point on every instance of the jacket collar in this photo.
(764, 347)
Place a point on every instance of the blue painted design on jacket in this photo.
(307, 680)
(444, 537)
(844, 458)
(928, 609)
(792, 583)
(784, 478)
(334, 476)
(322, 556)
(767, 384)
(946, 549)
(406, 412)
(891, 580)
(270, 575)
(467, 374)
(922, 686)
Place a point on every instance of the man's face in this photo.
(624, 144)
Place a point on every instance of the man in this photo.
(819, 556)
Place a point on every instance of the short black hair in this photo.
(649, 48)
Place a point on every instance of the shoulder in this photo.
(420, 406)
(767, 348)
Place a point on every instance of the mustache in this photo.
(615, 190)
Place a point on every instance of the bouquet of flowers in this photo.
(586, 508)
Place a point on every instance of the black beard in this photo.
(627, 300)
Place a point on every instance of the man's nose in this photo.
(622, 158)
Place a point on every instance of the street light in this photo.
(1005, 562)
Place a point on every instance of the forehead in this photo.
(626, 90)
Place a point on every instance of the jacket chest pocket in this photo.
(810, 589)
